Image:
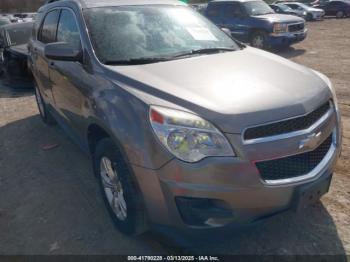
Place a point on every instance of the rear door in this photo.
(46, 34)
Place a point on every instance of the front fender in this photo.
(125, 118)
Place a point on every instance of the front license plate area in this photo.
(309, 194)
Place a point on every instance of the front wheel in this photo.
(339, 14)
(258, 40)
(122, 198)
(309, 17)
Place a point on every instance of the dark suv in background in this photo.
(336, 8)
(254, 22)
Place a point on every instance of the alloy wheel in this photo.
(113, 188)
(258, 41)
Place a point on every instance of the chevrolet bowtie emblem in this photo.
(311, 141)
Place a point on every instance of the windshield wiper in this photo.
(205, 51)
(150, 60)
(137, 61)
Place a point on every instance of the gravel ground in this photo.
(50, 202)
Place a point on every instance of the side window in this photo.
(233, 10)
(213, 11)
(67, 30)
(293, 6)
(48, 30)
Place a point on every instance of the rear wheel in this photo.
(258, 40)
(309, 17)
(122, 199)
(339, 14)
(44, 112)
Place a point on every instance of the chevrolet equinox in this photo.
(186, 127)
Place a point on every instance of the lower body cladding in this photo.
(264, 179)
(286, 39)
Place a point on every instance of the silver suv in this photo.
(185, 126)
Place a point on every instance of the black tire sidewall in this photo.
(338, 13)
(106, 148)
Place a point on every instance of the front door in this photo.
(67, 77)
(46, 35)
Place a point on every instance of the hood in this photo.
(233, 90)
(20, 49)
(282, 18)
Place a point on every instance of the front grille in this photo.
(286, 126)
(296, 27)
(294, 166)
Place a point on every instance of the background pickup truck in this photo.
(254, 22)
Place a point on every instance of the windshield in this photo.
(285, 7)
(257, 8)
(140, 32)
(19, 36)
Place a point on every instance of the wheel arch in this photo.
(254, 30)
(94, 134)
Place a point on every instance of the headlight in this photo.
(305, 13)
(187, 136)
(280, 28)
(330, 86)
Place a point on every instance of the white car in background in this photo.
(312, 13)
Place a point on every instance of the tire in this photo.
(45, 114)
(258, 40)
(309, 17)
(339, 14)
(121, 196)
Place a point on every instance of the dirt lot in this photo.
(50, 203)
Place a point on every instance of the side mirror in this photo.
(226, 31)
(63, 52)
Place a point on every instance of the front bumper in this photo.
(318, 16)
(221, 191)
(286, 39)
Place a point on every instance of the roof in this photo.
(102, 3)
